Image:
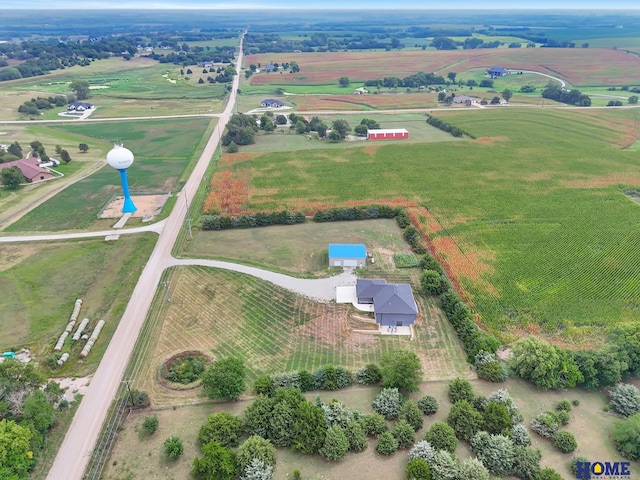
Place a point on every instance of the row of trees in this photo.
(251, 220)
(355, 213)
(446, 127)
(416, 80)
(555, 91)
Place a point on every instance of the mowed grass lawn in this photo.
(536, 224)
(589, 424)
(297, 249)
(226, 313)
(163, 150)
(41, 282)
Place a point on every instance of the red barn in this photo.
(387, 134)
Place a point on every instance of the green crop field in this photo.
(42, 281)
(536, 224)
(163, 150)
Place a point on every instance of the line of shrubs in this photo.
(356, 213)
(325, 378)
(251, 220)
(446, 127)
(479, 345)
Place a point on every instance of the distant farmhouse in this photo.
(270, 67)
(30, 168)
(388, 134)
(393, 303)
(272, 103)
(347, 255)
(496, 71)
(465, 99)
(79, 107)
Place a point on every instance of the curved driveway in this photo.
(322, 289)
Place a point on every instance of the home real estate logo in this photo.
(603, 470)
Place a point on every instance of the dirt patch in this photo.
(424, 220)
(232, 158)
(491, 140)
(12, 255)
(371, 150)
(73, 386)
(600, 182)
(463, 263)
(148, 206)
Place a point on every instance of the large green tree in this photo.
(12, 177)
(217, 463)
(341, 126)
(224, 379)
(465, 420)
(221, 427)
(543, 364)
(309, 429)
(626, 436)
(256, 447)
(80, 88)
(15, 451)
(401, 369)
(442, 437)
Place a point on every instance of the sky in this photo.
(323, 5)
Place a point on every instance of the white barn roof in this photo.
(388, 130)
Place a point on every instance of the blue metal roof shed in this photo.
(347, 255)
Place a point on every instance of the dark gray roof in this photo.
(395, 298)
(271, 101)
(368, 288)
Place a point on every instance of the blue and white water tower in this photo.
(121, 158)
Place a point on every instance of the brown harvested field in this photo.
(364, 102)
(138, 456)
(226, 313)
(593, 66)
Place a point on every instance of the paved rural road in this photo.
(75, 451)
(317, 288)
(154, 227)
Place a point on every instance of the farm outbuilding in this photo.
(388, 134)
(393, 303)
(347, 255)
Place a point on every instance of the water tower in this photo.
(121, 158)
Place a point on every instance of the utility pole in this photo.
(166, 289)
(128, 384)
(184, 192)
